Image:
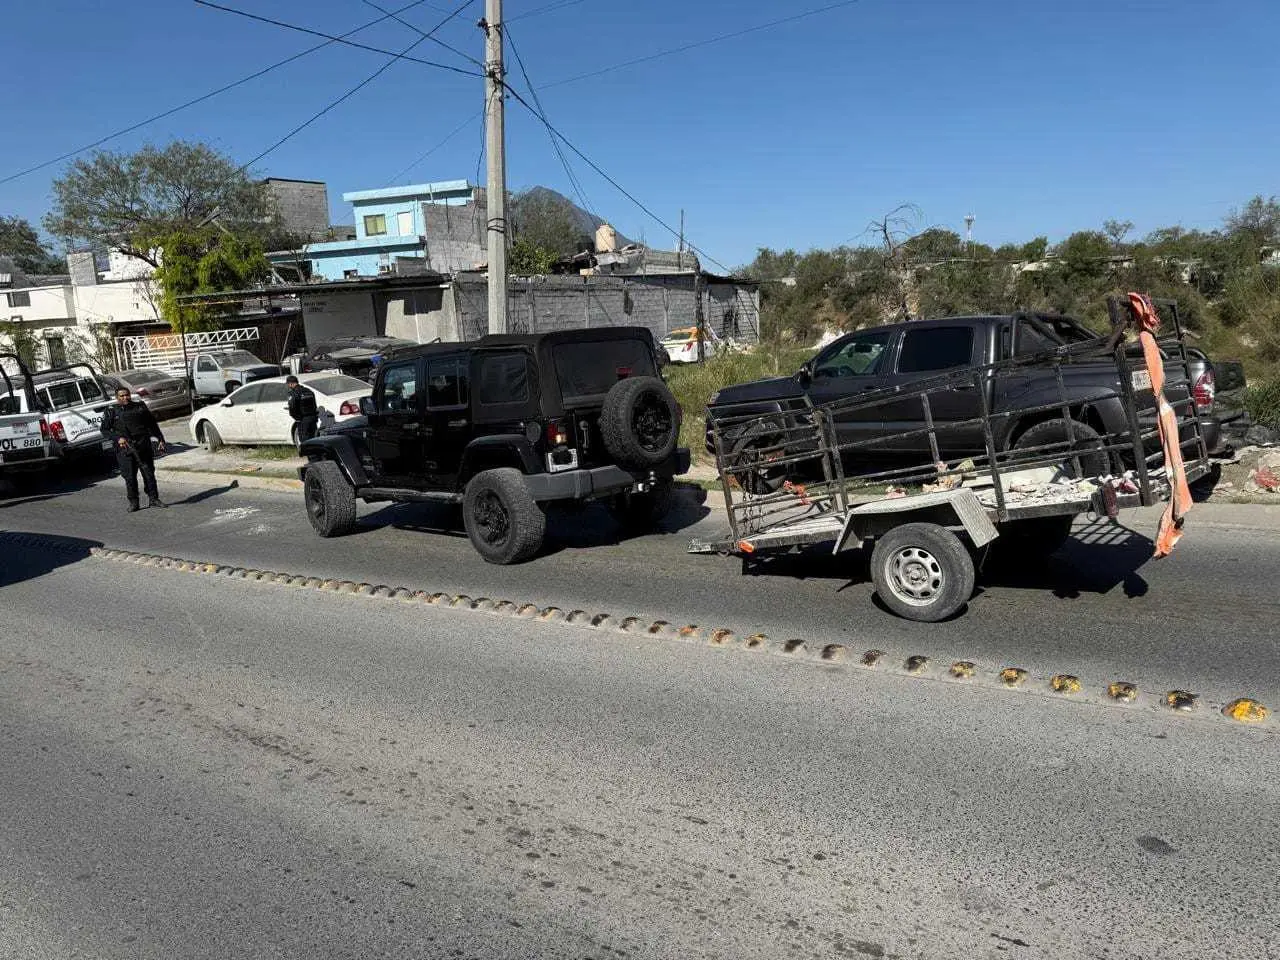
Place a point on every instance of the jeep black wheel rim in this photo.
(492, 519)
(651, 422)
(315, 501)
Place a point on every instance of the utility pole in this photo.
(495, 148)
(680, 248)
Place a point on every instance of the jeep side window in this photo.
(400, 388)
(447, 383)
(859, 357)
(504, 378)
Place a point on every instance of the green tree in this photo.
(771, 265)
(528, 259)
(205, 261)
(1035, 250)
(20, 242)
(546, 220)
(934, 245)
(128, 202)
(1117, 230)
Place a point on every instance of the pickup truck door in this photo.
(448, 427)
(925, 352)
(207, 377)
(396, 433)
(848, 367)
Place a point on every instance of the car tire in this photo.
(503, 521)
(330, 499)
(922, 572)
(640, 422)
(758, 481)
(1095, 461)
(639, 512)
(209, 436)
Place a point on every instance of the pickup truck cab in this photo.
(881, 358)
(216, 373)
(73, 399)
(505, 426)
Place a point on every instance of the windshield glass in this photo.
(61, 396)
(140, 377)
(238, 358)
(337, 384)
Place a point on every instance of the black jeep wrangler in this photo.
(505, 426)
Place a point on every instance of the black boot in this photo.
(155, 502)
(133, 506)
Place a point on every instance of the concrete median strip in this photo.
(1241, 711)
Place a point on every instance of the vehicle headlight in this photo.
(713, 398)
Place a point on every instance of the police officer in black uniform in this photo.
(302, 407)
(131, 425)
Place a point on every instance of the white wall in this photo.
(47, 303)
(128, 302)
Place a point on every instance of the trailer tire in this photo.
(922, 571)
(1094, 460)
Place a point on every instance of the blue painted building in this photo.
(440, 223)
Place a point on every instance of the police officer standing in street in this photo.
(131, 425)
(302, 407)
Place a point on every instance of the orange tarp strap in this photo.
(1170, 531)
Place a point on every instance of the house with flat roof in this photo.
(441, 224)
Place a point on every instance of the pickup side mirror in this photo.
(804, 376)
(367, 407)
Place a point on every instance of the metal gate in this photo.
(165, 350)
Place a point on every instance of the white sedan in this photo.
(258, 412)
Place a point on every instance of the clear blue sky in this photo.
(1038, 117)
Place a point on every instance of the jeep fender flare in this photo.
(342, 451)
(498, 450)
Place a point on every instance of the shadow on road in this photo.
(31, 555)
(201, 495)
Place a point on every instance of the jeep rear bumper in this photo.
(601, 481)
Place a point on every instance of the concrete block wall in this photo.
(303, 206)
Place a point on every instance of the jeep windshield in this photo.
(588, 369)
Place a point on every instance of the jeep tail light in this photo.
(59, 432)
(1202, 392)
(349, 408)
(557, 433)
(623, 372)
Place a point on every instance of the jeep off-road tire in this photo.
(640, 422)
(1094, 460)
(210, 436)
(922, 572)
(503, 521)
(638, 512)
(330, 499)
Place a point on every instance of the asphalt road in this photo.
(201, 767)
(1204, 619)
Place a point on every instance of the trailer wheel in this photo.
(922, 572)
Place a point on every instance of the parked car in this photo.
(73, 399)
(216, 373)
(259, 412)
(505, 426)
(681, 345)
(163, 393)
(882, 358)
(354, 356)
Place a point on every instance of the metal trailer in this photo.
(25, 443)
(928, 546)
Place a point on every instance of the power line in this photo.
(414, 27)
(614, 183)
(359, 86)
(208, 96)
(542, 115)
(543, 9)
(703, 43)
(338, 39)
(456, 130)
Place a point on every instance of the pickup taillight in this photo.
(44, 430)
(59, 432)
(1202, 392)
(349, 408)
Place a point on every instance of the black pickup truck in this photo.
(505, 426)
(884, 357)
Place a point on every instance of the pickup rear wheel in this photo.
(922, 572)
(1094, 460)
(503, 521)
(330, 498)
(754, 449)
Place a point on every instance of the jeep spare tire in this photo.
(640, 422)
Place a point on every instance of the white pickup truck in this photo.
(218, 373)
(73, 400)
(25, 443)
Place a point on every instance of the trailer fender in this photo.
(946, 508)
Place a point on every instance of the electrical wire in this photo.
(436, 40)
(456, 130)
(342, 40)
(542, 115)
(702, 43)
(614, 183)
(201, 99)
(547, 8)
